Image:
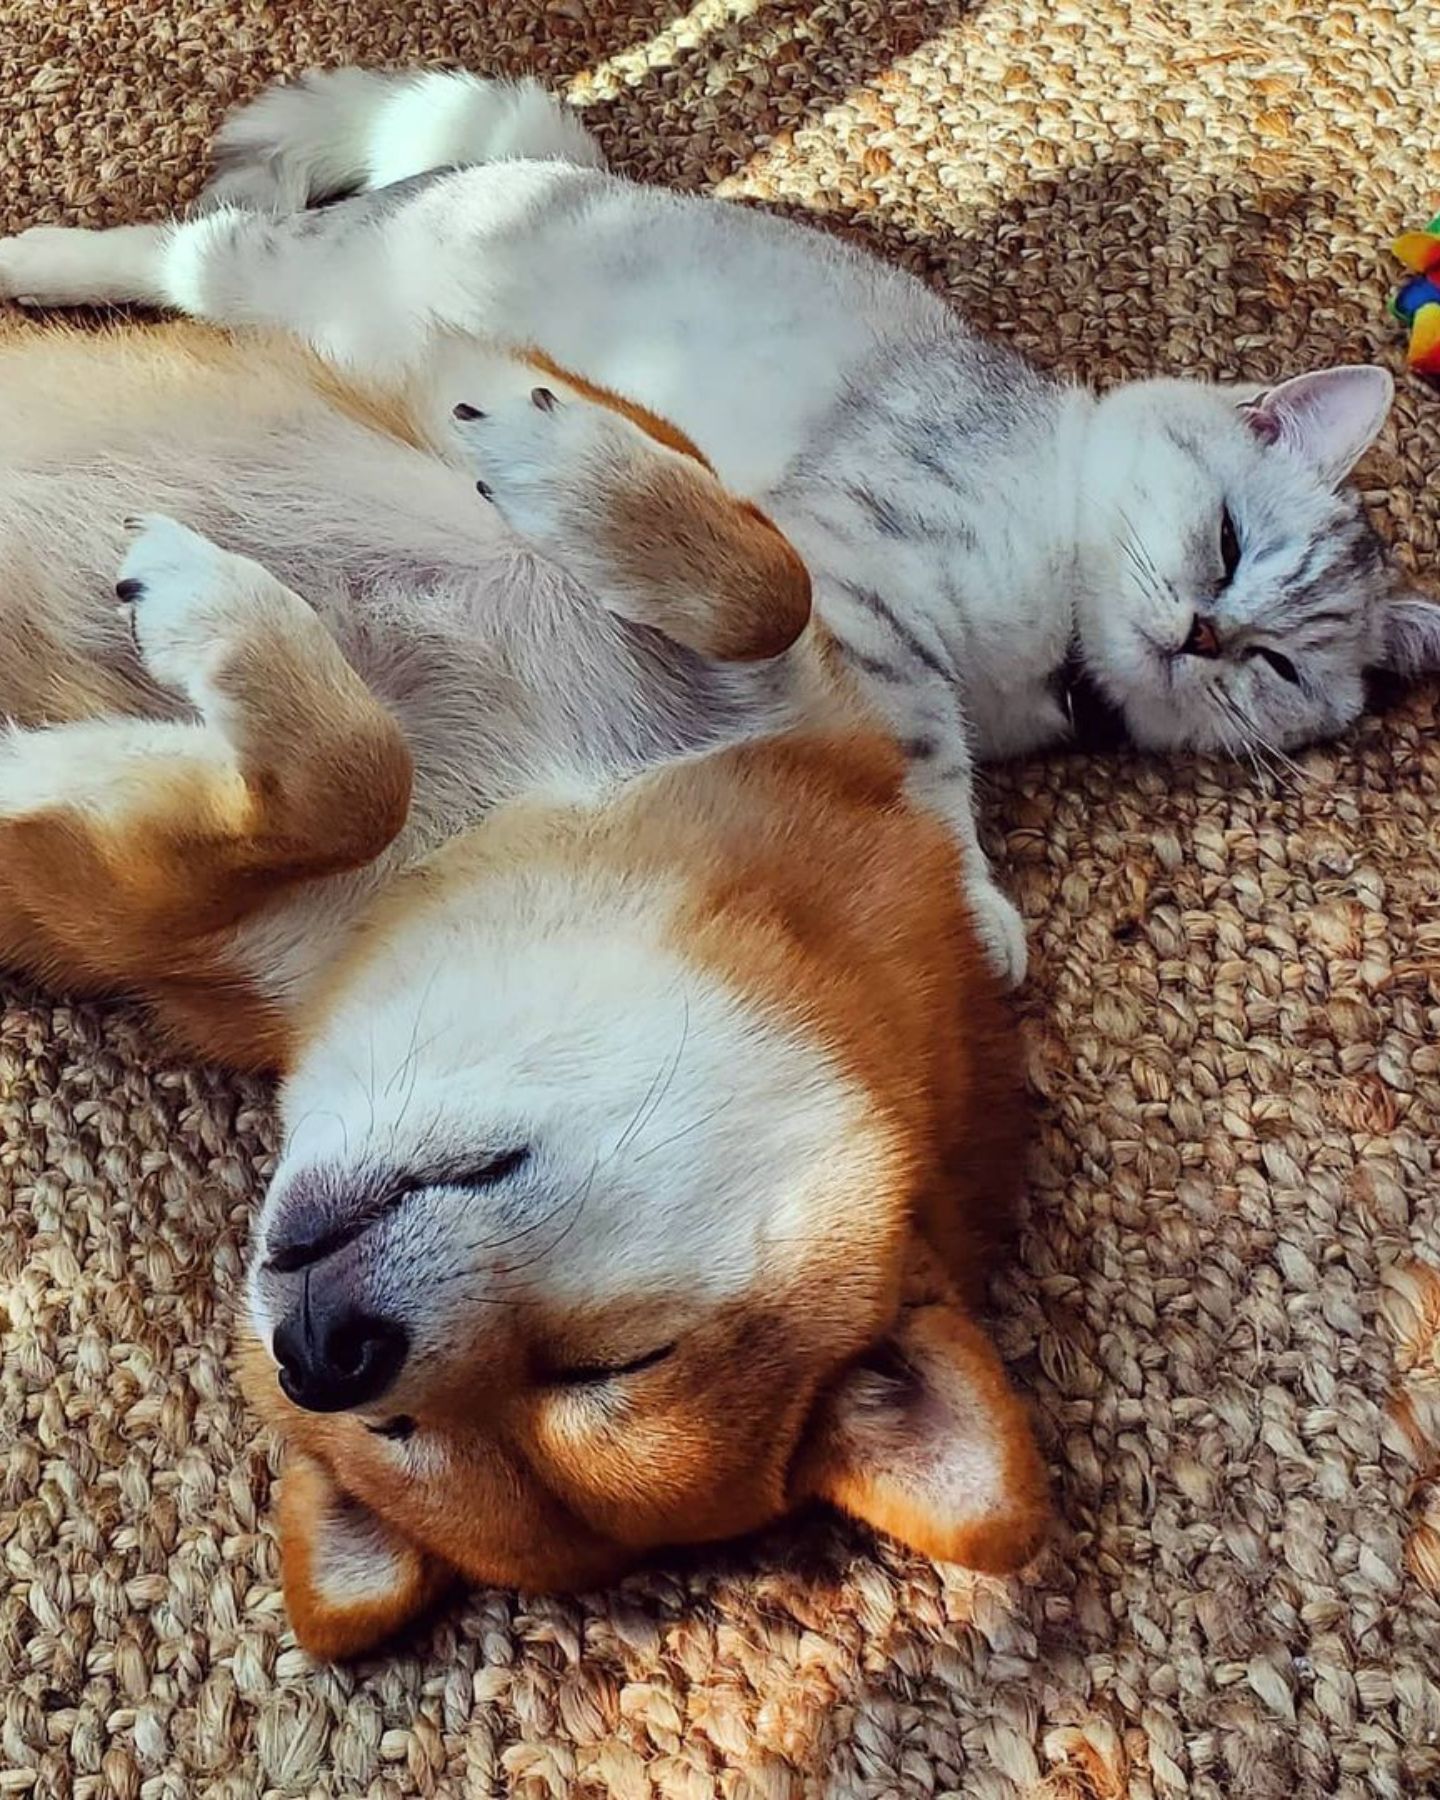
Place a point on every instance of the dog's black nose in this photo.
(336, 1357)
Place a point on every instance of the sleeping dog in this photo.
(648, 1107)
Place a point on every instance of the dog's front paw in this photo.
(544, 461)
(193, 606)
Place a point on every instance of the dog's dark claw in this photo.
(130, 589)
(544, 399)
(465, 411)
(484, 492)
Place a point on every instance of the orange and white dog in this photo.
(648, 1105)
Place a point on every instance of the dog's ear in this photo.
(350, 1580)
(926, 1440)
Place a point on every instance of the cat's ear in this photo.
(926, 1440)
(1328, 418)
(1411, 635)
(350, 1580)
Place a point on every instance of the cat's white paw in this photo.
(537, 458)
(35, 263)
(193, 605)
(56, 265)
(1001, 930)
(48, 265)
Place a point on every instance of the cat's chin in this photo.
(1154, 717)
(1163, 699)
(1094, 721)
(1164, 726)
(1122, 693)
(1157, 736)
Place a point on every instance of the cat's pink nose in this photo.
(1204, 639)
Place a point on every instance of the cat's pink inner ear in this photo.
(1328, 418)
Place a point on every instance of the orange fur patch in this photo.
(390, 411)
(714, 571)
(137, 890)
(348, 1582)
(708, 568)
(996, 1530)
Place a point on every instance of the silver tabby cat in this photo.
(987, 543)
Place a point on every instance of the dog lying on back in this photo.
(648, 1106)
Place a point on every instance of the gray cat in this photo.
(990, 545)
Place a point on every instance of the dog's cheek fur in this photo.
(350, 1580)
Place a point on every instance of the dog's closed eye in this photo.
(398, 1428)
(591, 1374)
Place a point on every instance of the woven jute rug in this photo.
(1227, 1299)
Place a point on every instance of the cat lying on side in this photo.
(648, 1105)
(989, 545)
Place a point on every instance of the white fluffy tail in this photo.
(340, 131)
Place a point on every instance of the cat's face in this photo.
(1233, 593)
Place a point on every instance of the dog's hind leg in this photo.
(129, 848)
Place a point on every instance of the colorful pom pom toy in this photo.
(1417, 304)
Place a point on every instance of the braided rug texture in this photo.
(1226, 1304)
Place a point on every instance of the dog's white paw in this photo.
(192, 604)
(540, 459)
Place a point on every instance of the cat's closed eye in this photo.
(1282, 665)
(1229, 545)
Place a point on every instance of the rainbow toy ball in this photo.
(1418, 302)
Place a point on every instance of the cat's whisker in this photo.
(1157, 584)
(1237, 741)
(1154, 587)
(1300, 776)
(1142, 574)
(1278, 757)
(1242, 746)
(1159, 603)
(1281, 767)
(1238, 728)
(1265, 771)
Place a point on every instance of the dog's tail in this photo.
(343, 131)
